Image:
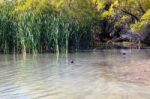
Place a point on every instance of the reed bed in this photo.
(38, 33)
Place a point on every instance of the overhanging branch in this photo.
(132, 15)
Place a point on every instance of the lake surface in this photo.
(93, 75)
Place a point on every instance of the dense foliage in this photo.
(44, 25)
(59, 25)
(125, 16)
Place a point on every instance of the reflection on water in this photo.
(93, 75)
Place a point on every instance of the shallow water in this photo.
(93, 75)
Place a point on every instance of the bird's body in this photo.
(72, 62)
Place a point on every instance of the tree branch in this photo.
(140, 6)
(129, 13)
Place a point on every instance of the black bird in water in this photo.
(123, 53)
(72, 62)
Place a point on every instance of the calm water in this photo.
(91, 76)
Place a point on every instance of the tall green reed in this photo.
(43, 32)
